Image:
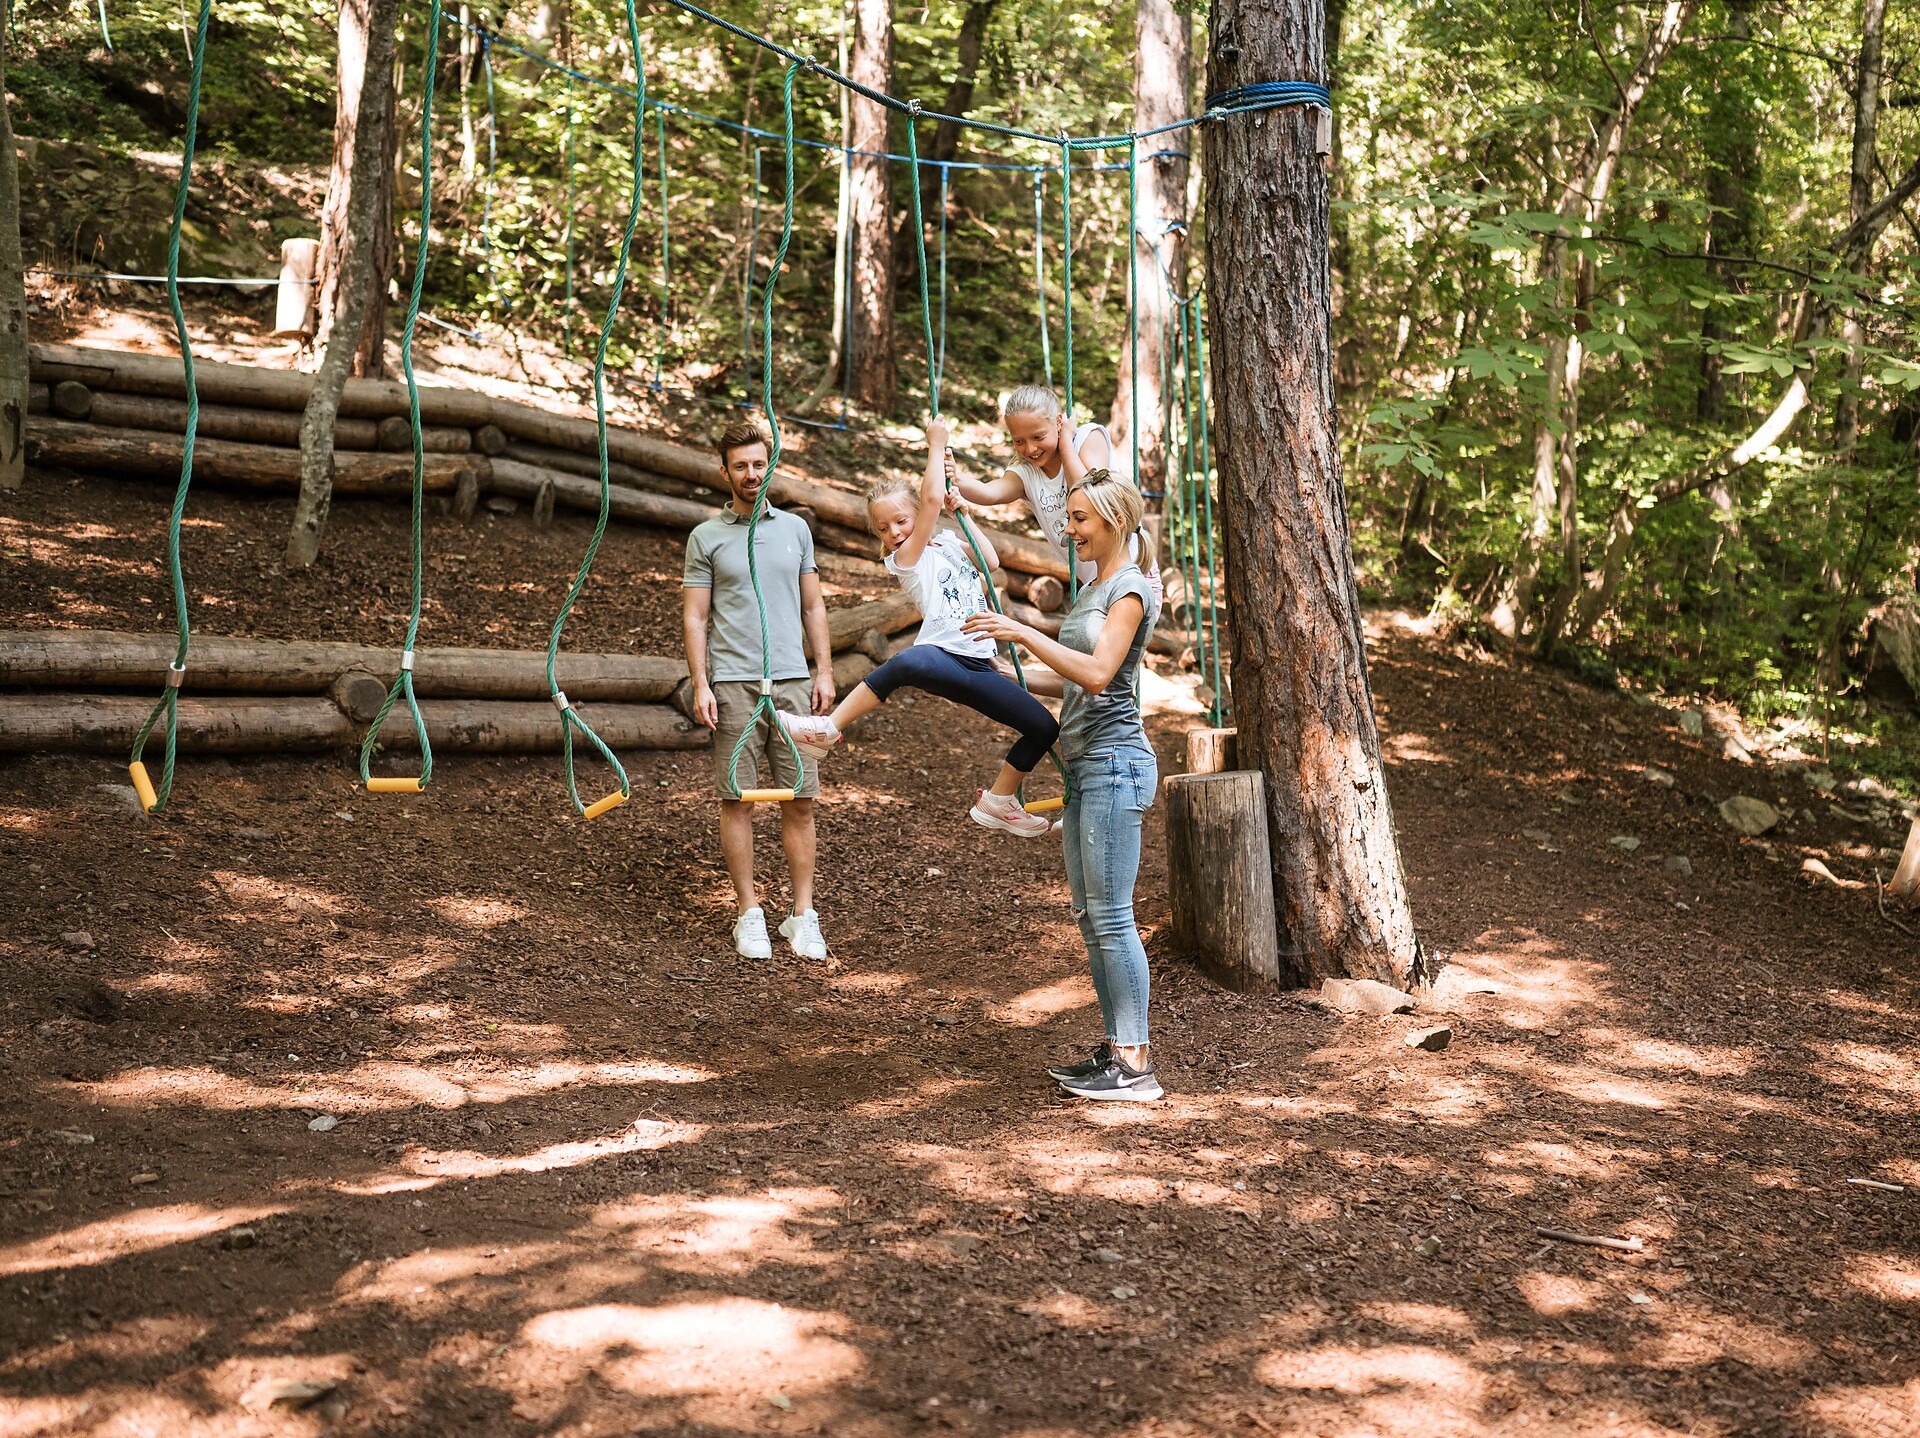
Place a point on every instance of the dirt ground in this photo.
(593, 1174)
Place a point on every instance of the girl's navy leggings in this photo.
(978, 685)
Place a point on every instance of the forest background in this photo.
(1654, 418)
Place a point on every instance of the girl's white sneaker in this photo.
(813, 734)
(996, 811)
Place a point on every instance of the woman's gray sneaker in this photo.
(1086, 1068)
(1116, 1082)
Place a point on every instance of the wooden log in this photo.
(1211, 751)
(395, 432)
(567, 461)
(108, 659)
(39, 398)
(510, 476)
(543, 502)
(219, 421)
(247, 385)
(71, 400)
(466, 494)
(358, 695)
(1220, 879)
(490, 440)
(1046, 592)
(246, 724)
(240, 466)
(298, 297)
(888, 614)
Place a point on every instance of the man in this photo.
(721, 619)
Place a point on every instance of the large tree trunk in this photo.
(1301, 695)
(1583, 198)
(350, 152)
(1866, 130)
(871, 212)
(1162, 82)
(13, 301)
(354, 280)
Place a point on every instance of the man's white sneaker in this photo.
(750, 936)
(996, 811)
(802, 933)
(814, 735)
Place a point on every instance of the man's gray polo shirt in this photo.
(717, 560)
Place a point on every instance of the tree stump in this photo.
(1212, 751)
(466, 495)
(1220, 878)
(297, 299)
(543, 506)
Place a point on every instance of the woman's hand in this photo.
(988, 625)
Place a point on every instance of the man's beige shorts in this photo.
(766, 748)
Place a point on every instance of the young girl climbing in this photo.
(1050, 458)
(938, 569)
(1111, 770)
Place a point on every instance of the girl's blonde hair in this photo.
(1116, 502)
(893, 486)
(1031, 399)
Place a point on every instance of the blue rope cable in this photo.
(941, 359)
(168, 705)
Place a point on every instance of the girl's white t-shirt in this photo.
(1047, 498)
(946, 589)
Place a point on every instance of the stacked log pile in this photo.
(106, 411)
(261, 695)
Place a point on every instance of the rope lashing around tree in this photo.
(1268, 95)
(764, 706)
(154, 800)
(403, 682)
(933, 404)
(570, 719)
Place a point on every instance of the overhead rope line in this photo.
(764, 705)
(403, 682)
(167, 707)
(570, 719)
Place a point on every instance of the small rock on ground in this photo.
(1752, 817)
(1677, 864)
(1654, 774)
(1365, 996)
(1692, 723)
(1432, 1040)
(325, 1123)
(1626, 843)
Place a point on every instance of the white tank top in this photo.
(1047, 498)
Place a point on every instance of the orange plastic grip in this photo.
(394, 786)
(143, 786)
(767, 796)
(1044, 806)
(600, 806)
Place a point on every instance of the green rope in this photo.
(168, 706)
(105, 38)
(933, 404)
(666, 253)
(1040, 269)
(1066, 292)
(403, 682)
(570, 719)
(570, 206)
(945, 173)
(764, 705)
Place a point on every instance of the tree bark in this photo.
(97, 723)
(353, 286)
(871, 212)
(371, 150)
(1866, 130)
(1162, 88)
(111, 659)
(1583, 199)
(1220, 879)
(261, 467)
(13, 300)
(1301, 695)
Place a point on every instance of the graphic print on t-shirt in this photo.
(946, 588)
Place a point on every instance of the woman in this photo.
(1111, 770)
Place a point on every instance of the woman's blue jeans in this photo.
(1112, 791)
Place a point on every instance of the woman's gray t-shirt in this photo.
(1090, 723)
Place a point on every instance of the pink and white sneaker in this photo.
(996, 811)
(813, 734)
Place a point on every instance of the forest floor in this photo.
(593, 1174)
